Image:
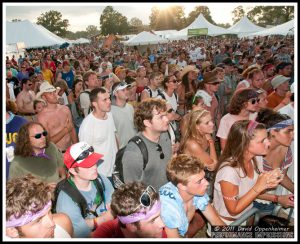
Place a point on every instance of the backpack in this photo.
(76, 196)
(159, 93)
(117, 175)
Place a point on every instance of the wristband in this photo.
(95, 223)
(275, 200)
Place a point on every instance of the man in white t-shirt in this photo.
(98, 130)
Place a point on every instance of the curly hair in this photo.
(180, 168)
(144, 111)
(239, 99)
(23, 145)
(126, 199)
(270, 117)
(237, 143)
(26, 193)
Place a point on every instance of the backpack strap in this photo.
(141, 144)
(75, 195)
(148, 89)
(100, 187)
(160, 93)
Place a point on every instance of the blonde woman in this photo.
(197, 141)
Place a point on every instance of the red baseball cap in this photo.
(81, 155)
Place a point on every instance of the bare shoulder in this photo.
(64, 221)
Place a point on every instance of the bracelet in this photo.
(275, 200)
(95, 223)
(255, 190)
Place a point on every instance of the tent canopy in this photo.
(283, 29)
(31, 34)
(199, 22)
(244, 26)
(144, 38)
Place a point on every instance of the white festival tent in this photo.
(199, 22)
(144, 38)
(33, 35)
(165, 33)
(244, 26)
(284, 29)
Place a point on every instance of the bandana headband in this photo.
(132, 218)
(27, 217)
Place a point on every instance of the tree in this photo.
(15, 20)
(238, 13)
(197, 11)
(53, 22)
(112, 22)
(166, 19)
(135, 22)
(91, 30)
(271, 15)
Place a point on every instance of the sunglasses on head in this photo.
(254, 100)
(145, 199)
(83, 155)
(159, 149)
(39, 135)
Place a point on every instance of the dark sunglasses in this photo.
(254, 100)
(173, 81)
(83, 155)
(29, 84)
(159, 149)
(215, 83)
(39, 135)
(145, 199)
(170, 110)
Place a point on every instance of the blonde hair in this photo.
(192, 132)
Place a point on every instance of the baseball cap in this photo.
(119, 86)
(82, 155)
(45, 87)
(278, 80)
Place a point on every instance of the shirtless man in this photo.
(25, 99)
(56, 118)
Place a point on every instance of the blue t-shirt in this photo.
(68, 77)
(13, 125)
(172, 207)
(66, 205)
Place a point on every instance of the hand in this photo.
(208, 137)
(212, 166)
(268, 180)
(285, 201)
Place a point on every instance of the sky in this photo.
(82, 15)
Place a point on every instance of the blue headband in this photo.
(282, 124)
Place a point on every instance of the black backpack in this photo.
(117, 175)
(76, 196)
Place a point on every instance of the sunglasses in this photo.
(173, 81)
(215, 83)
(145, 199)
(159, 149)
(254, 100)
(170, 110)
(39, 135)
(83, 155)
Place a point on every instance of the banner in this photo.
(197, 32)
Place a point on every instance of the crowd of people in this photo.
(213, 123)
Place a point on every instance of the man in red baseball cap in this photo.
(81, 162)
